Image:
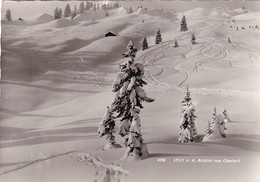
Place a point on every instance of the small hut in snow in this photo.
(109, 34)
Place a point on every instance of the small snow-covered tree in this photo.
(183, 24)
(127, 103)
(229, 41)
(188, 131)
(131, 52)
(67, 11)
(75, 12)
(193, 39)
(81, 7)
(215, 128)
(158, 38)
(107, 128)
(88, 5)
(176, 43)
(144, 44)
(8, 15)
(226, 117)
(209, 128)
(60, 12)
(57, 13)
(130, 10)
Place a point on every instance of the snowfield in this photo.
(57, 80)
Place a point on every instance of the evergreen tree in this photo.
(56, 13)
(88, 5)
(131, 51)
(128, 102)
(130, 10)
(209, 128)
(144, 44)
(158, 38)
(226, 117)
(183, 24)
(116, 5)
(176, 43)
(67, 11)
(107, 128)
(8, 15)
(193, 39)
(216, 127)
(60, 12)
(187, 125)
(81, 8)
(75, 12)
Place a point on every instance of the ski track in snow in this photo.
(252, 56)
(105, 171)
(35, 162)
(152, 58)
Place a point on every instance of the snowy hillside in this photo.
(57, 78)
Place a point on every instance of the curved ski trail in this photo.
(206, 48)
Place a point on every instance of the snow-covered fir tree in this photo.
(116, 5)
(183, 24)
(131, 51)
(216, 127)
(81, 7)
(57, 13)
(128, 102)
(144, 44)
(107, 128)
(8, 15)
(193, 39)
(130, 10)
(88, 5)
(176, 43)
(67, 11)
(226, 117)
(209, 128)
(158, 38)
(75, 12)
(188, 131)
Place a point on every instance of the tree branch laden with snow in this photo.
(188, 131)
(216, 127)
(127, 104)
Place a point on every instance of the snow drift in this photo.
(63, 23)
(43, 18)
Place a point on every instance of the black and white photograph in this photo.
(130, 91)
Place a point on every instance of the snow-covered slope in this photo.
(253, 17)
(62, 23)
(56, 84)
